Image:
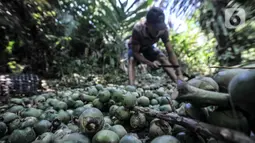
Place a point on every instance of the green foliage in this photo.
(231, 42)
(62, 37)
(184, 8)
(10, 46)
(49, 34)
(248, 55)
(15, 67)
(115, 21)
(108, 21)
(194, 48)
(24, 27)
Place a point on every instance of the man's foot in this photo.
(180, 86)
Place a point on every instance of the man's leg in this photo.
(131, 67)
(131, 70)
(170, 71)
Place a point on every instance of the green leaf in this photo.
(124, 5)
(116, 8)
(130, 27)
(10, 46)
(15, 67)
(140, 7)
(149, 2)
(57, 43)
(107, 23)
(111, 15)
(122, 12)
(138, 16)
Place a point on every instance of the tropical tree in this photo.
(231, 42)
(193, 47)
(49, 34)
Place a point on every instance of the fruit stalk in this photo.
(200, 97)
(204, 129)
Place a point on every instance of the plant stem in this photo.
(202, 97)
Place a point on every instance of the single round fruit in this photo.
(224, 77)
(143, 101)
(91, 121)
(156, 128)
(105, 136)
(242, 87)
(138, 120)
(119, 130)
(129, 100)
(122, 113)
(104, 96)
(165, 139)
(206, 83)
(129, 139)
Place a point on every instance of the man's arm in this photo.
(138, 56)
(171, 55)
(172, 58)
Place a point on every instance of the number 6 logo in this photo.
(234, 17)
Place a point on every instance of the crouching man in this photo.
(144, 35)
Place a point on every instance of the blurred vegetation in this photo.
(63, 37)
(231, 42)
(194, 48)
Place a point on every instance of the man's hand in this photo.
(154, 65)
(180, 77)
(179, 74)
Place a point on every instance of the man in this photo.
(124, 60)
(144, 35)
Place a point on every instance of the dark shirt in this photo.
(140, 36)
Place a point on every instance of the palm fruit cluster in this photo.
(105, 113)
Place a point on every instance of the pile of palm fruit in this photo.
(107, 113)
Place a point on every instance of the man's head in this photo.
(155, 21)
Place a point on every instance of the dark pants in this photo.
(150, 53)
